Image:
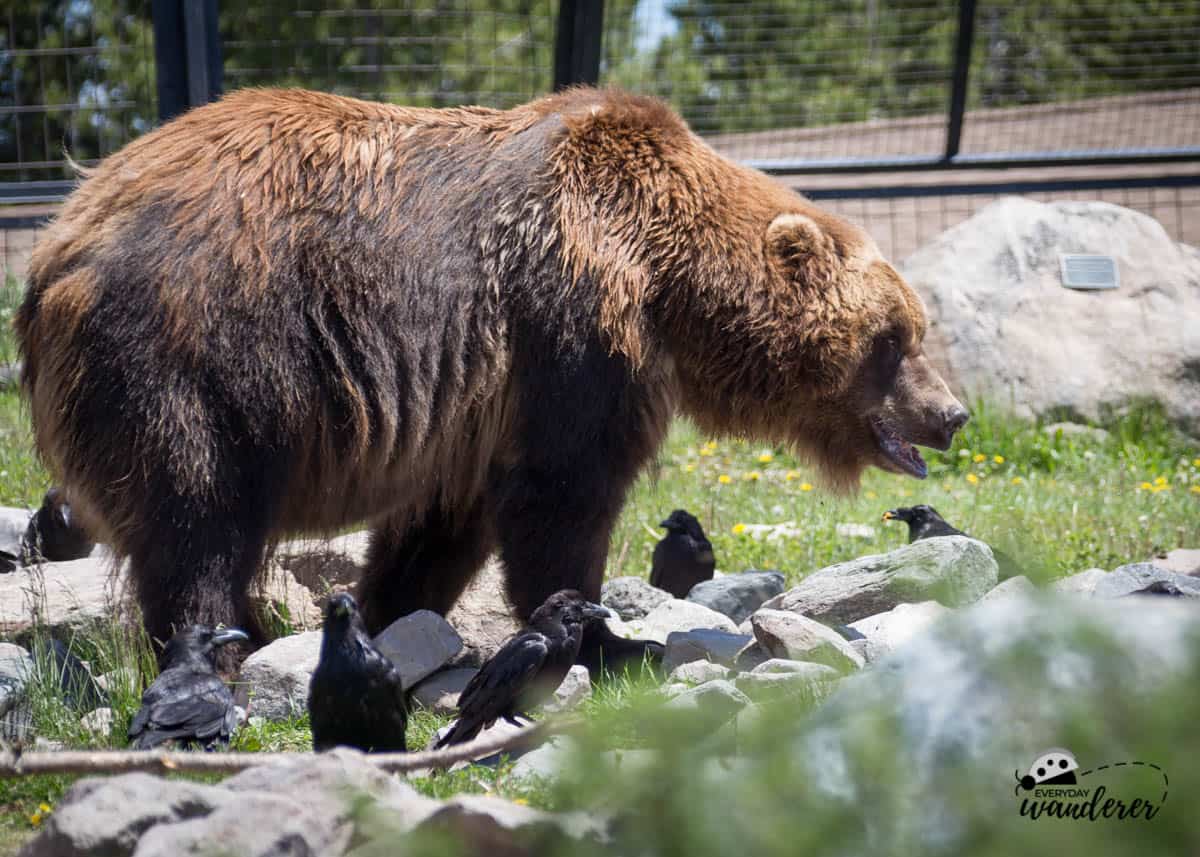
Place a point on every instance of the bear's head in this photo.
(819, 346)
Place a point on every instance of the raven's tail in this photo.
(461, 732)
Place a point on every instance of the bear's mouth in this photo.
(897, 451)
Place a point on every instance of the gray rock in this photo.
(1007, 329)
(439, 692)
(808, 687)
(120, 680)
(325, 565)
(13, 523)
(783, 666)
(109, 816)
(738, 595)
(98, 722)
(273, 682)
(752, 656)
(720, 647)
(1181, 561)
(68, 599)
(987, 691)
(675, 614)
(789, 635)
(1083, 583)
(953, 570)
(419, 644)
(575, 688)
(631, 597)
(886, 631)
(490, 825)
(16, 716)
(698, 672)
(716, 702)
(277, 594)
(546, 763)
(1129, 579)
(257, 825)
(483, 616)
(1014, 586)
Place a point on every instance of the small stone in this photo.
(789, 635)
(779, 666)
(703, 645)
(98, 722)
(849, 531)
(575, 688)
(811, 687)
(698, 672)
(631, 597)
(1014, 587)
(718, 701)
(273, 682)
(1181, 561)
(16, 716)
(676, 614)
(122, 679)
(885, 631)
(418, 644)
(1130, 579)
(1083, 583)
(751, 656)
(545, 763)
(439, 692)
(738, 595)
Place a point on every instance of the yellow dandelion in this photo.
(979, 457)
(712, 444)
(1017, 480)
(1145, 486)
(1160, 480)
(766, 458)
(520, 801)
(35, 819)
(1195, 489)
(688, 468)
(738, 529)
(706, 452)
(752, 476)
(44, 808)
(792, 475)
(972, 478)
(1196, 462)
(871, 495)
(724, 479)
(999, 459)
(805, 486)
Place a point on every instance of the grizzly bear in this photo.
(292, 312)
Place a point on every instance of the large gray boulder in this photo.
(65, 598)
(738, 595)
(419, 644)
(16, 669)
(1137, 577)
(273, 682)
(631, 597)
(720, 647)
(483, 616)
(324, 565)
(790, 636)
(887, 631)
(675, 614)
(952, 570)
(1007, 329)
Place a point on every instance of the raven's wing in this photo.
(185, 704)
(495, 689)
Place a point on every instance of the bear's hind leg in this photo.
(422, 564)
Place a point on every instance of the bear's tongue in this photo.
(899, 451)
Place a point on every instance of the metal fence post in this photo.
(578, 42)
(962, 66)
(187, 54)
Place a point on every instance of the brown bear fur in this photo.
(290, 311)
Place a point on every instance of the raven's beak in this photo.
(595, 611)
(229, 635)
(889, 514)
(66, 513)
(666, 523)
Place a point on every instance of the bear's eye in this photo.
(892, 354)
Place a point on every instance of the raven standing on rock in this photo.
(188, 702)
(356, 696)
(527, 669)
(924, 522)
(683, 557)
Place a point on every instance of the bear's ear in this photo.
(799, 245)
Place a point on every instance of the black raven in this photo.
(356, 695)
(924, 522)
(683, 557)
(527, 669)
(53, 533)
(79, 687)
(188, 702)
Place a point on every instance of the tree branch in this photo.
(14, 763)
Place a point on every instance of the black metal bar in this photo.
(1020, 186)
(577, 44)
(998, 161)
(187, 54)
(962, 66)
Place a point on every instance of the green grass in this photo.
(1059, 504)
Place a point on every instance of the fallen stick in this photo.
(14, 763)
